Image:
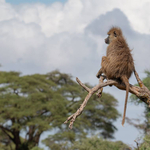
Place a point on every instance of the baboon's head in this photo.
(113, 33)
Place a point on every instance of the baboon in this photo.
(118, 63)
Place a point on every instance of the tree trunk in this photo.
(17, 140)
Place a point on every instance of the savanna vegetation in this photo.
(33, 104)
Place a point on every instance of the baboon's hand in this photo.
(104, 58)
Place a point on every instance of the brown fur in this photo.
(118, 62)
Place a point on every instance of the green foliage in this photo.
(146, 80)
(32, 104)
(98, 115)
(145, 126)
(37, 148)
(96, 143)
(37, 103)
(6, 143)
(146, 143)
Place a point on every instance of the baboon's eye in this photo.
(115, 34)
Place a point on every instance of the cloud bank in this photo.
(68, 37)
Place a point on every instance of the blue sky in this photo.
(34, 1)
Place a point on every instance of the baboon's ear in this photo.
(115, 34)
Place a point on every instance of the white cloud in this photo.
(53, 35)
(73, 16)
(16, 38)
(7, 12)
(37, 29)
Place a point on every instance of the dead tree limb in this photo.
(137, 144)
(141, 92)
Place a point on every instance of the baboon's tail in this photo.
(126, 82)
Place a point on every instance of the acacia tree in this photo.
(29, 104)
(36, 103)
(97, 118)
(95, 143)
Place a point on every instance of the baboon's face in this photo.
(111, 36)
(107, 40)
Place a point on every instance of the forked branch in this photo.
(141, 92)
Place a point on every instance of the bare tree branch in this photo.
(99, 93)
(141, 92)
(7, 132)
(137, 144)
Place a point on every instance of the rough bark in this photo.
(141, 91)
